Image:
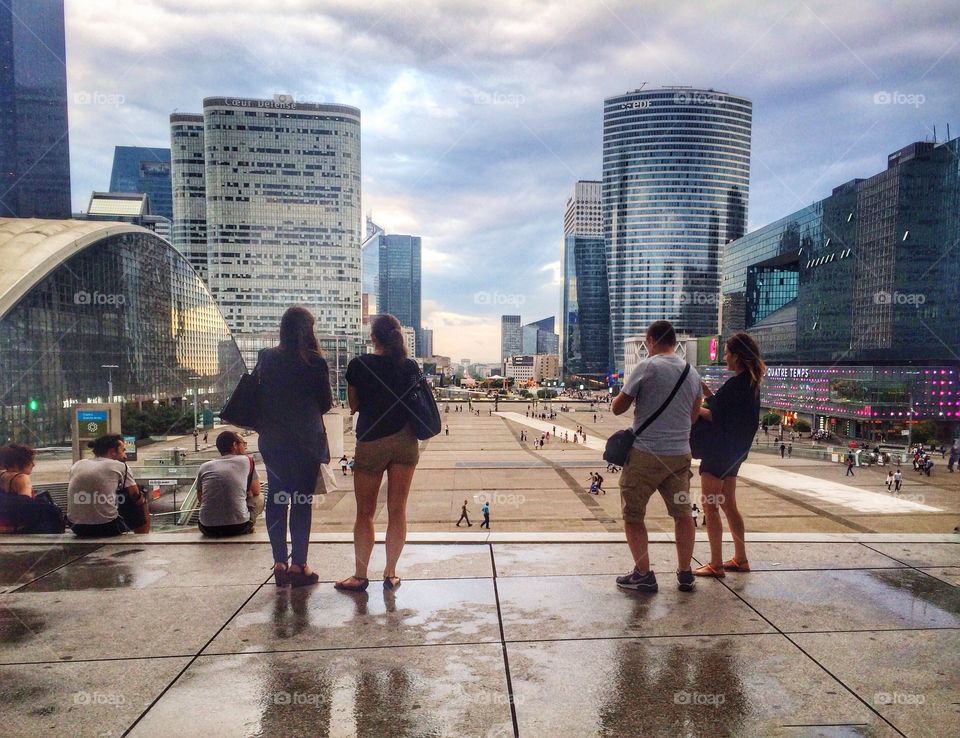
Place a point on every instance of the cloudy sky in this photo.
(478, 116)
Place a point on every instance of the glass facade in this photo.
(511, 336)
(34, 145)
(586, 306)
(127, 299)
(398, 284)
(189, 190)
(147, 170)
(676, 175)
(282, 210)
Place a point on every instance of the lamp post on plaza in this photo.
(110, 368)
(910, 421)
(196, 435)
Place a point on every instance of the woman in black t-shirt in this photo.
(376, 386)
(733, 412)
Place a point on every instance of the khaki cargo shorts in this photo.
(373, 457)
(644, 473)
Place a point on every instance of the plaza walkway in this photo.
(501, 635)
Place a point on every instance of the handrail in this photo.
(189, 505)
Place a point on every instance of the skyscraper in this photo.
(281, 183)
(399, 280)
(511, 336)
(34, 147)
(540, 337)
(146, 170)
(676, 173)
(586, 303)
(370, 269)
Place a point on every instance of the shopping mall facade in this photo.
(102, 312)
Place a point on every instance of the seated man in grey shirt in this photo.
(103, 499)
(228, 490)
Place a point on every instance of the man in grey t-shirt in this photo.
(660, 457)
(228, 490)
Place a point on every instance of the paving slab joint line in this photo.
(503, 645)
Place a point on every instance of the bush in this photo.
(801, 426)
(770, 419)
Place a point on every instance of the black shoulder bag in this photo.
(243, 407)
(619, 444)
(422, 411)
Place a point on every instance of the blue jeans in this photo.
(300, 505)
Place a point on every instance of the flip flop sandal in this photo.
(734, 565)
(361, 586)
(707, 570)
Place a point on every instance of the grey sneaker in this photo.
(685, 581)
(639, 582)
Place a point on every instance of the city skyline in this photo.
(474, 144)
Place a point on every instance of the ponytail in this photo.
(386, 329)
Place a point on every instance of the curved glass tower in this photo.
(676, 176)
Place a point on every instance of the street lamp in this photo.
(109, 367)
(196, 435)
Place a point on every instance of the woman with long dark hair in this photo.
(294, 395)
(733, 412)
(376, 385)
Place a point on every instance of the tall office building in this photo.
(676, 173)
(511, 336)
(425, 342)
(281, 212)
(370, 269)
(399, 281)
(585, 333)
(540, 337)
(189, 189)
(34, 146)
(146, 170)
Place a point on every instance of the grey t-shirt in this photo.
(92, 490)
(224, 484)
(650, 383)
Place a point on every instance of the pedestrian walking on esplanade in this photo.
(464, 516)
(386, 444)
(294, 395)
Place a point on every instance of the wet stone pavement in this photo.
(826, 637)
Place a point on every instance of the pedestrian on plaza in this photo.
(206, 435)
(733, 410)
(600, 489)
(228, 490)
(385, 444)
(897, 481)
(783, 450)
(659, 459)
(850, 463)
(789, 450)
(464, 516)
(952, 460)
(889, 481)
(486, 515)
(343, 465)
(594, 418)
(446, 430)
(103, 499)
(295, 393)
(927, 465)
(350, 464)
(695, 513)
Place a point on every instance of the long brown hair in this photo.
(296, 334)
(386, 329)
(747, 352)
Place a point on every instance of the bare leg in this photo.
(399, 478)
(685, 533)
(734, 519)
(366, 487)
(637, 541)
(710, 497)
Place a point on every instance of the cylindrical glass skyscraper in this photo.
(676, 177)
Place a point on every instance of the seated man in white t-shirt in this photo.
(103, 499)
(228, 490)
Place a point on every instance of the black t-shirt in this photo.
(735, 411)
(380, 382)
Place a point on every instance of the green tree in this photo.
(801, 426)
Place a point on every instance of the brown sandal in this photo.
(707, 570)
(734, 565)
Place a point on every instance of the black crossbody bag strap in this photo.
(673, 393)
